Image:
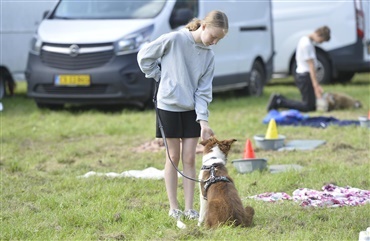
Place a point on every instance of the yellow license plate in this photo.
(73, 80)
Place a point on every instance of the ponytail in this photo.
(194, 24)
(214, 18)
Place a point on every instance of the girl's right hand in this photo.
(206, 131)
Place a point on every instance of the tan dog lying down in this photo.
(219, 200)
(336, 101)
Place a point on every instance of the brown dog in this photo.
(219, 200)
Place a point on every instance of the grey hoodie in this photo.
(186, 72)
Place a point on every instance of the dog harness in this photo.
(212, 179)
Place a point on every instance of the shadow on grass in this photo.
(351, 83)
(109, 109)
(355, 83)
(21, 103)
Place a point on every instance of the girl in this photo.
(184, 93)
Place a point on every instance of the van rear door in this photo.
(365, 7)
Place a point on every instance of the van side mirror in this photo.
(45, 14)
(180, 17)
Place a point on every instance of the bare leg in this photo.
(188, 160)
(170, 173)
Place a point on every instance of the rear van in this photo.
(84, 52)
(347, 52)
(15, 35)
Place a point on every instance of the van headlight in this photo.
(133, 42)
(36, 44)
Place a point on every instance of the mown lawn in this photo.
(43, 152)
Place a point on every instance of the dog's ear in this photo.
(225, 145)
(204, 142)
(230, 141)
(211, 139)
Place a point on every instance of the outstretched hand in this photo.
(318, 91)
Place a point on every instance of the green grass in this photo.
(43, 152)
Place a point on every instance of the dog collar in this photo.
(205, 167)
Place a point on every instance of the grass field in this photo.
(43, 152)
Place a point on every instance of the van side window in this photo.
(183, 12)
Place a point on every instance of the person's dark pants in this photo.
(308, 103)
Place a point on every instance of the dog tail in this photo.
(250, 213)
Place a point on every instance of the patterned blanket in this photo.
(330, 196)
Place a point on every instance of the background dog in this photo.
(219, 200)
(336, 101)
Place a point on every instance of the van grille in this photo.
(52, 89)
(81, 61)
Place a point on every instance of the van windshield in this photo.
(114, 9)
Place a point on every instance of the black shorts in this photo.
(178, 124)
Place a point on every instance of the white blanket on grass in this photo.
(148, 173)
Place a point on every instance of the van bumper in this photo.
(120, 81)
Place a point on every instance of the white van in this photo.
(19, 21)
(85, 52)
(348, 50)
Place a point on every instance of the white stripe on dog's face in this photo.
(215, 156)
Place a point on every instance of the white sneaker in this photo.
(191, 214)
(175, 213)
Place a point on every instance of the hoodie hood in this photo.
(191, 38)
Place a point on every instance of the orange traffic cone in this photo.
(248, 150)
(272, 130)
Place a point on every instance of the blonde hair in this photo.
(323, 32)
(214, 18)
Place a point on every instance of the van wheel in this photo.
(256, 79)
(2, 87)
(323, 72)
(7, 83)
